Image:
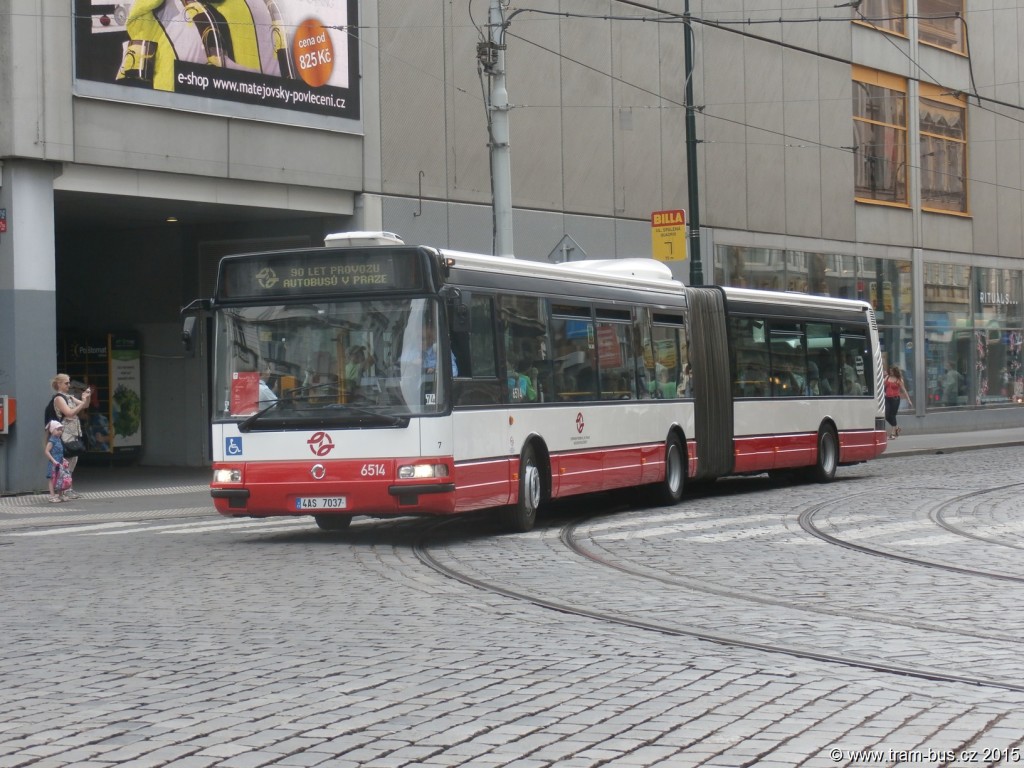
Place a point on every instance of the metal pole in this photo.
(693, 217)
(501, 163)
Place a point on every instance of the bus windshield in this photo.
(362, 362)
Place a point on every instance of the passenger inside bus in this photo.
(784, 382)
(813, 381)
(827, 383)
(520, 386)
(851, 384)
(359, 363)
(665, 388)
(584, 376)
(752, 380)
(685, 387)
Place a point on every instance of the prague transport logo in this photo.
(320, 444)
(579, 423)
(266, 277)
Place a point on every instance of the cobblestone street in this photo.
(143, 630)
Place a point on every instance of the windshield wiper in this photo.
(293, 396)
(394, 421)
(301, 395)
(246, 424)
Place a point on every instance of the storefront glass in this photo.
(998, 377)
(888, 285)
(973, 317)
(973, 335)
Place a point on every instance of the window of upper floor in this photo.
(887, 15)
(941, 23)
(881, 150)
(880, 136)
(943, 126)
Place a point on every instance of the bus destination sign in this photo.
(313, 272)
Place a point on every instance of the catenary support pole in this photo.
(693, 191)
(501, 164)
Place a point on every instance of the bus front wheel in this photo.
(333, 522)
(522, 515)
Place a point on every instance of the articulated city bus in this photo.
(369, 377)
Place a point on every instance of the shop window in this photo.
(761, 268)
(879, 136)
(996, 297)
(888, 286)
(949, 334)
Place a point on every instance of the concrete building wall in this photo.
(597, 141)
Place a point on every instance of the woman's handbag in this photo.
(74, 447)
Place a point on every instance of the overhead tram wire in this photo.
(800, 141)
(727, 27)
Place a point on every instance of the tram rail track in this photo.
(807, 523)
(424, 549)
(938, 516)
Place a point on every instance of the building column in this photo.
(28, 317)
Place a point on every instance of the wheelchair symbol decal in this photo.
(233, 446)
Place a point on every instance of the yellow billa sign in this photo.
(668, 235)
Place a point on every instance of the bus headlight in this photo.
(422, 471)
(227, 475)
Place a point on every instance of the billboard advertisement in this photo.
(298, 58)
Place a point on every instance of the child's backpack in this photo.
(63, 481)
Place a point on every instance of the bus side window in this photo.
(572, 335)
(615, 355)
(524, 332)
(669, 379)
(748, 342)
(481, 347)
(857, 365)
(476, 356)
(821, 363)
(789, 360)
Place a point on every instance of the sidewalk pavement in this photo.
(115, 479)
(948, 442)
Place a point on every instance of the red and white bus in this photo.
(373, 378)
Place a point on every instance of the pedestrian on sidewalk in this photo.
(67, 407)
(57, 465)
(895, 390)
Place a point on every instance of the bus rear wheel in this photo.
(521, 516)
(670, 490)
(824, 471)
(333, 522)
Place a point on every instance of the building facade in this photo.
(872, 151)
